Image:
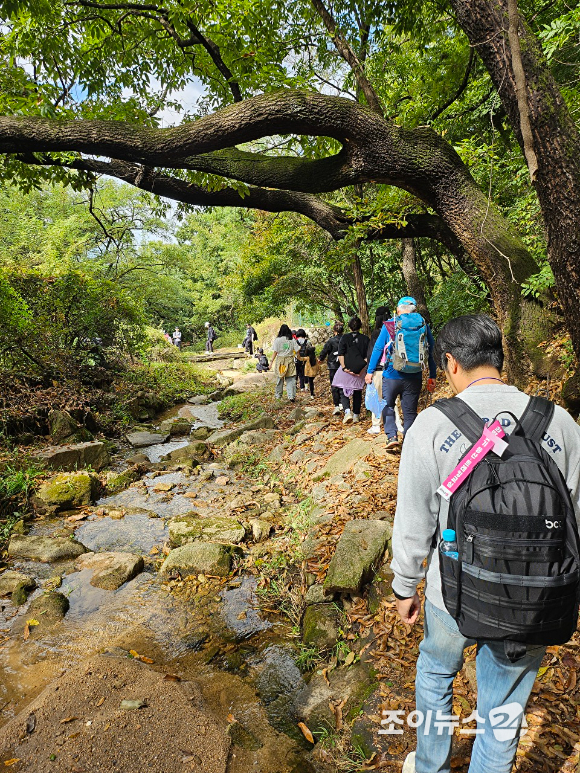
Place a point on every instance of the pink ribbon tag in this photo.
(491, 440)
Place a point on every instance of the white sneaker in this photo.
(355, 418)
(374, 430)
(341, 408)
(409, 764)
(337, 410)
(347, 417)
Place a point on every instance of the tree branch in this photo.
(521, 90)
(461, 88)
(346, 51)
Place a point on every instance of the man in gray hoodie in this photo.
(469, 350)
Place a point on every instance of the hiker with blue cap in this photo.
(406, 345)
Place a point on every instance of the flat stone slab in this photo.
(11, 581)
(142, 439)
(192, 526)
(110, 570)
(198, 557)
(224, 436)
(45, 549)
(74, 456)
(358, 555)
(345, 458)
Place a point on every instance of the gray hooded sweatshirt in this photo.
(431, 451)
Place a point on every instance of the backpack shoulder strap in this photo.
(535, 419)
(465, 418)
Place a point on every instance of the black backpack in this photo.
(353, 358)
(517, 577)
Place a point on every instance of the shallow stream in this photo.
(214, 635)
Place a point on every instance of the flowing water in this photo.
(214, 634)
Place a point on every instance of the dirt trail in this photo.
(233, 642)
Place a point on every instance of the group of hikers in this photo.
(487, 515)
(389, 364)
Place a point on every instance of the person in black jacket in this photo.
(352, 348)
(330, 353)
(302, 339)
(248, 342)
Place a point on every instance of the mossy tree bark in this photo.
(412, 280)
(373, 149)
(553, 137)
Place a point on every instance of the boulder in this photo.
(45, 549)
(74, 457)
(64, 429)
(110, 570)
(198, 558)
(119, 481)
(198, 400)
(243, 737)
(69, 489)
(192, 453)
(350, 685)
(137, 459)
(277, 684)
(256, 437)
(345, 458)
(358, 555)
(321, 626)
(192, 526)
(224, 436)
(15, 582)
(297, 414)
(144, 438)
(260, 529)
(48, 609)
(278, 453)
(200, 433)
(315, 595)
(176, 426)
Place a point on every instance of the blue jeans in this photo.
(290, 387)
(409, 388)
(499, 683)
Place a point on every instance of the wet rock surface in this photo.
(192, 526)
(145, 438)
(68, 490)
(10, 581)
(110, 570)
(47, 610)
(320, 625)
(198, 557)
(46, 549)
(74, 457)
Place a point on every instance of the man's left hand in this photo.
(409, 609)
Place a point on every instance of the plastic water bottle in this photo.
(449, 544)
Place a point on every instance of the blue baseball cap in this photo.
(407, 300)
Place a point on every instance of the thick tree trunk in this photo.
(373, 149)
(361, 296)
(554, 136)
(414, 284)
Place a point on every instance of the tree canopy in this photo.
(319, 111)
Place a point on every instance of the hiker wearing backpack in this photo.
(284, 348)
(500, 540)
(330, 354)
(406, 344)
(350, 377)
(248, 342)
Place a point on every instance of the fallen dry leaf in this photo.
(12, 762)
(26, 632)
(172, 678)
(67, 720)
(306, 732)
(231, 718)
(350, 658)
(154, 551)
(142, 658)
(100, 702)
